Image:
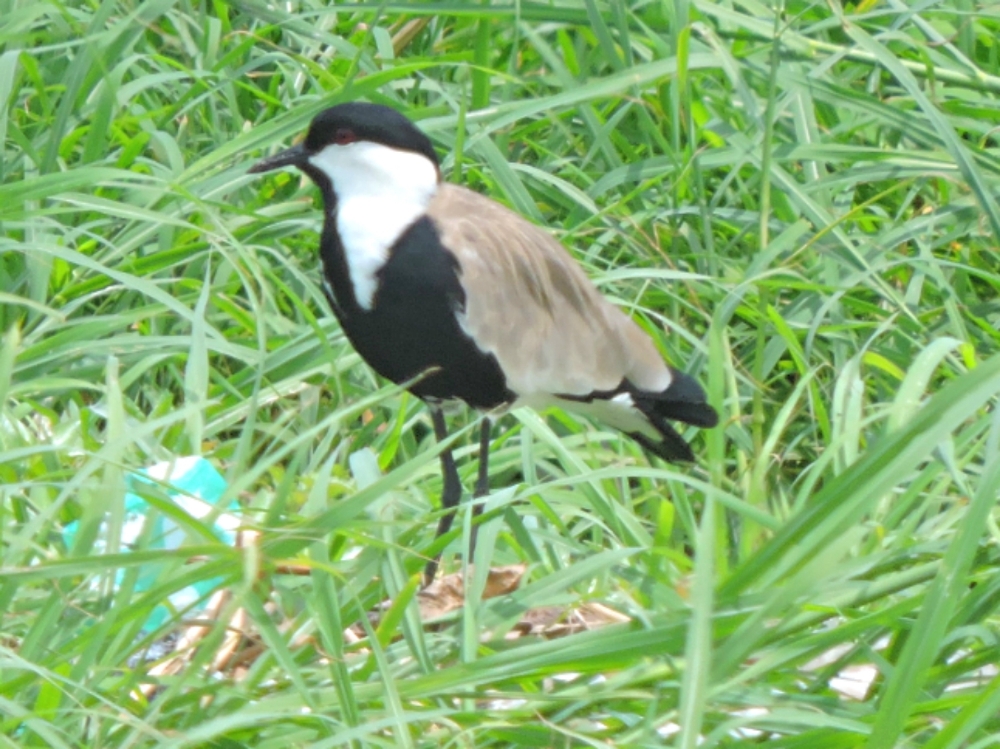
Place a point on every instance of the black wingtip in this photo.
(684, 400)
(697, 414)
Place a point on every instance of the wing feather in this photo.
(531, 306)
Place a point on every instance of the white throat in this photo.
(380, 191)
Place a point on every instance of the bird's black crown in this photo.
(368, 122)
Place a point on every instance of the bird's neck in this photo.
(379, 193)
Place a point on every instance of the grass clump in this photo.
(798, 202)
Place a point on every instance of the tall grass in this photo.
(798, 202)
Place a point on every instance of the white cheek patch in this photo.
(381, 192)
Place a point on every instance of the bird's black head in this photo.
(353, 122)
(359, 121)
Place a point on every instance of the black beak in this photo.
(294, 156)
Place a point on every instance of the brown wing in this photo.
(530, 305)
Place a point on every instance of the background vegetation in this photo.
(799, 203)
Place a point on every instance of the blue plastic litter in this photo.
(196, 488)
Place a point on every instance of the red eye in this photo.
(344, 136)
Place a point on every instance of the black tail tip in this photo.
(683, 400)
(672, 447)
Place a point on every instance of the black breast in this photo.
(412, 327)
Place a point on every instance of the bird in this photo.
(463, 300)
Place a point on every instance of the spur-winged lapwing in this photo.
(438, 285)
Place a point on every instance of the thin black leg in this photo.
(451, 494)
(482, 480)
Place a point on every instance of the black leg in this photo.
(482, 481)
(451, 493)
